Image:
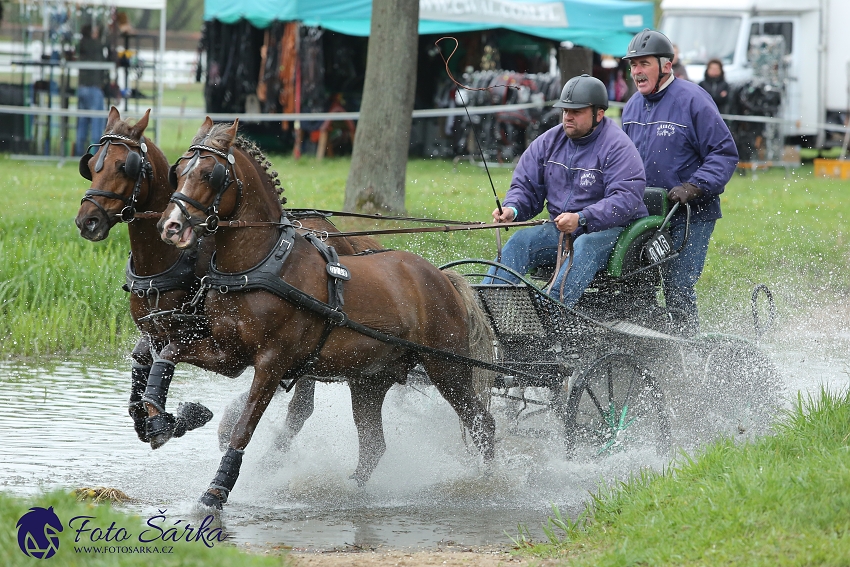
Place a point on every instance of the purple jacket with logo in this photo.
(600, 175)
(682, 139)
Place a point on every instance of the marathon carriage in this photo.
(606, 368)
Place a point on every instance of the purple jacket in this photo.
(600, 175)
(682, 139)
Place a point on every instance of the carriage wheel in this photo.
(615, 405)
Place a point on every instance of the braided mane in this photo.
(217, 138)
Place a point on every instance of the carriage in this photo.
(612, 371)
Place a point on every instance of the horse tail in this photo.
(481, 338)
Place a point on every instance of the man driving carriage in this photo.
(591, 178)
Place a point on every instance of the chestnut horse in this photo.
(395, 293)
(130, 172)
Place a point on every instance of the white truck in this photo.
(817, 46)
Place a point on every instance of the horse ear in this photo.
(139, 127)
(231, 132)
(114, 116)
(205, 127)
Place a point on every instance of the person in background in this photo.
(715, 84)
(90, 91)
(679, 70)
(688, 150)
(590, 176)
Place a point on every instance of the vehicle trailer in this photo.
(817, 48)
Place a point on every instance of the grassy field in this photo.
(779, 501)
(61, 294)
(127, 553)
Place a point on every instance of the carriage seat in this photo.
(626, 256)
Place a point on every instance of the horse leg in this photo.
(142, 360)
(229, 419)
(455, 384)
(261, 393)
(300, 408)
(367, 401)
(160, 426)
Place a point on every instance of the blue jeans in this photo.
(538, 246)
(681, 274)
(89, 129)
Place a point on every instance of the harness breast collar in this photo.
(137, 166)
(266, 276)
(181, 275)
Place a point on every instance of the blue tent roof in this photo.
(603, 25)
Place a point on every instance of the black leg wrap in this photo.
(136, 408)
(159, 379)
(225, 478)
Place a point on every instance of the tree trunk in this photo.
(379, 158)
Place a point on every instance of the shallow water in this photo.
(65, 426)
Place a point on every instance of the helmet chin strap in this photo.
(661, 76)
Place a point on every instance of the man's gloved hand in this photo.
(684, 193)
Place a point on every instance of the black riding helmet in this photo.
(651, 43)
(584, 91)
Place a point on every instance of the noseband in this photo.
(137, 166)
(221, 178)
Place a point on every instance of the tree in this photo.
(379, 157)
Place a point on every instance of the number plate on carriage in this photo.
(658, 248)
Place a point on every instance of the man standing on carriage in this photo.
(688, 150)
(591, 178)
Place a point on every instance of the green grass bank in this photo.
(780, 501)
(175, 546)
(60, 294)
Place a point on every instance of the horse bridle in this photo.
(137, 166)
(220, 179)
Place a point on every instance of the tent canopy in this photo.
(605, 26)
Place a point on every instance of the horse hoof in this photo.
(139, 414)
(358, 478)
(159, 429)
(190, 416)
(212, 500)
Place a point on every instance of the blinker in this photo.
(218, 175)
(133, 165)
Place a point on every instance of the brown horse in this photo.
(130, 172)
(396, 293)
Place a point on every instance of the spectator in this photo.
(715, 84)
(90, 91)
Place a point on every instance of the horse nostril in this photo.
(91, 224)
(172, 228)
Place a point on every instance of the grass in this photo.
(61, 294)
(183, 553)
(781, 500)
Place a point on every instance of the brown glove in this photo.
(684, 193)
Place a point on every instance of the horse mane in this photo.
(218, 138)
(122, 129)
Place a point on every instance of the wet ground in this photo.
(65, 426)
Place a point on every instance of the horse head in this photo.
(207, 183)
(121, 173)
